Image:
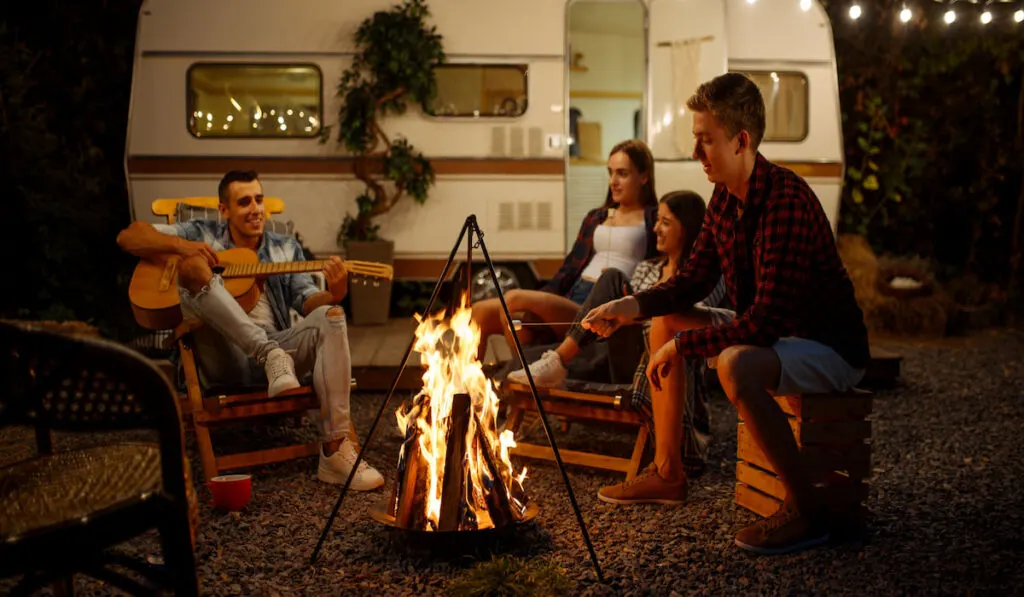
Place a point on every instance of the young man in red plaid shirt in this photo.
(797, 329)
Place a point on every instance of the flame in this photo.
(449, 348)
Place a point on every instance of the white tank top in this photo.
(619, 247)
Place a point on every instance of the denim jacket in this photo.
(284, 291)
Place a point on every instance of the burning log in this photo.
(496, 496)
(411, 489)
(453, 488)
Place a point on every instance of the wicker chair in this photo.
(60, 512)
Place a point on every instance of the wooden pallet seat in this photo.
(833, 432)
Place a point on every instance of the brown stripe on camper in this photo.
(217, 165)
(815, 169)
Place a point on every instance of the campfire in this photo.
(454, 472)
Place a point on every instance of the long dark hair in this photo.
(688, 207)
(640, 156)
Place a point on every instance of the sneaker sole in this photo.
(778, 551)
(279, 391)
(336, 479)
(665, 502)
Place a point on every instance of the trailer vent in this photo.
(526, 215)
(543, 216)
(506, 216)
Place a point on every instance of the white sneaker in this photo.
(280, 370)
(547, 372)
(335, 469)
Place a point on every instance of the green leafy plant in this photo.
(396, 55)
(931, 114)
(506, 576)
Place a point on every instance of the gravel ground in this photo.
(947, 507)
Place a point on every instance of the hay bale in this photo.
(862, 267)
(922, 311)
(919, 316)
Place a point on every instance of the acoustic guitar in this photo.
(154, 286)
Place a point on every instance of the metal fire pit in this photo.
(379, 512)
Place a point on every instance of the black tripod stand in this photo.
(471, 228)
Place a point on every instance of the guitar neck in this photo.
(250, 270)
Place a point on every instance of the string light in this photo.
(906, 14)
(805, 5)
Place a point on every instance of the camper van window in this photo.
(479, 90)
(254, 100)
(785, 102)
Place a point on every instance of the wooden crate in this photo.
(833, 432)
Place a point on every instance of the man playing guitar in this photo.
(248, 348)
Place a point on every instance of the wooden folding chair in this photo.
(212, 407)
(582, 402)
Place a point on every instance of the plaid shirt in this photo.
(781, 267)
(583, 249)
(285, 290)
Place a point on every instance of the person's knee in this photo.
(513, 298)
(741, 371)
(335, 315)
(194, 273)
(661, 331)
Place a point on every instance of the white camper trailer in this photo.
(534, 95)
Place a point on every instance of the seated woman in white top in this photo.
(618, 235)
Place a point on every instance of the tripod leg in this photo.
(540, 407)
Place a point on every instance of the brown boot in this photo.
(648, 487)
(785, 531)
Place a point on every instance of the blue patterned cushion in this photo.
(186, 212)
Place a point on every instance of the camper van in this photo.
(530, 101)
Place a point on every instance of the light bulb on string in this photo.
(1018, 16)
(949, 17)
(905, 15)
(805, 5)
(986, 18)
(855, 12)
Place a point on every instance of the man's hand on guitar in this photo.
(337, 278)
(191, 248)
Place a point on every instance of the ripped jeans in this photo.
(231, 350)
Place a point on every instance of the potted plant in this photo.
(396, 52)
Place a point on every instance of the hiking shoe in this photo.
(648, 487)
(547, 372)
(280, 370)
(334, 469)
(785, 531)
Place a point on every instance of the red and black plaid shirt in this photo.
(781, 267)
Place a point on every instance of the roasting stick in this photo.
(518, 324)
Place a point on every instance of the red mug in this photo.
(230, 492)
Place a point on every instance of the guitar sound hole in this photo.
(218, 269)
